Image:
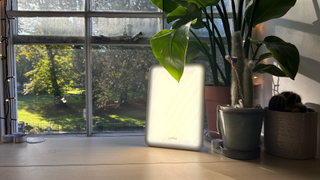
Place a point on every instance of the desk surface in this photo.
(128, 157)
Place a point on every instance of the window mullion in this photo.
(12, 71)
(88, 73)
(82, 14)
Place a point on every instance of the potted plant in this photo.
(290, 129)
(173, 48)
(241, 122)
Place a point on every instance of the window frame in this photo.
(88, 40)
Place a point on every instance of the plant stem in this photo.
(227, 66)
(220, 44)
(209, 58)
(247, 42)
(240, 10)
(213, 48)
(256, 52)
(234, 15)
(226, 29)
(225, 14)
(243, 27)
(205, 50)
(220, 38)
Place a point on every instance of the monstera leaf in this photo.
(286, 54)
(183, 13)
(269, 68)
(267, 9)
(165, 5)
(169, 47)
(194, 49)
(184, 16)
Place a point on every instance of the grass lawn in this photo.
(39, 111)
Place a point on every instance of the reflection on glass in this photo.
(119, 87)
(123, 5)
(51, 5)
(51, 26)
(50, 86)
(111, 27)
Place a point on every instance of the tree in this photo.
(55, 68)
(23, 63)
(51, 72)
(119, 73)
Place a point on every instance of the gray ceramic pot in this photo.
(291, 135)
(240, 127)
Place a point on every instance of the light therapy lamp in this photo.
(175, 109)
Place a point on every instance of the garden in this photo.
(51, 83)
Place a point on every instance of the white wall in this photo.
(301, 27)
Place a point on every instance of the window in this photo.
(84, 68)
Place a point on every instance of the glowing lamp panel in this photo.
(175, 109)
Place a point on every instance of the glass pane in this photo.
(51, 5)
(119, 86)
(51, 26)
(123, 5)
(112, 27)
(51, 88)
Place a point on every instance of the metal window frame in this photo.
(87, 40)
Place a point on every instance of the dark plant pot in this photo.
(291, 135)
(214, 96)
(241, 128)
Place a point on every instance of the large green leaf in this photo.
(194, 49)
(267, 9)
(269, 68)
(197, 23)
(286, 54)
(165, 5)
(169, 47)
(182, 13)
(264, 56)
(200, 3)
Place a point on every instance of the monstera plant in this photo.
(173, 47)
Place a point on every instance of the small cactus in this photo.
(241, 75)
(248, 84)
(286, 94)
(299, 107)
(277, 103)
(238, 68)
(293, 99)
(287, 101)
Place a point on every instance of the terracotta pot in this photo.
(291, 135)
(215, 96)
